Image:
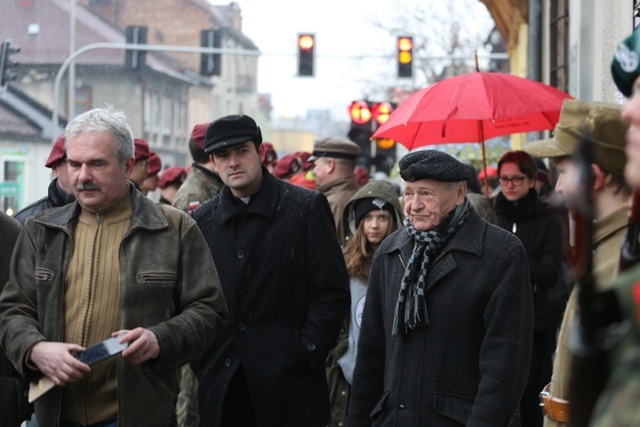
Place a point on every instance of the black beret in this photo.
(231, 130)
(432, 164)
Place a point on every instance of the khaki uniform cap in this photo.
(335, 147)
(601, 122)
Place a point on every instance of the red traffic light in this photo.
(306, 41)
(381, 112)
(359, 112)
(306, 55)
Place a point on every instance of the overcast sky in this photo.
(344, 29)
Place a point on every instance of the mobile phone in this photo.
(101, 351)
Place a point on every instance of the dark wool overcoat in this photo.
(469, 366)
(286, 286)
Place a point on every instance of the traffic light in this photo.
(361, 130)
(134, 59)
(306, 54)
(210, 64)
(6, 64)
(405, 56)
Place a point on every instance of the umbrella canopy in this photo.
(472, 108)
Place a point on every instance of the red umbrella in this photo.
(472, 108)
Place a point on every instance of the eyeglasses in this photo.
(515, 180)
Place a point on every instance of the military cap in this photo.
(288, 165)
(335, 147)
(154, 164)
(229, 131)
(625, 65)
(172, 176)
(599, 122)
(57, 153)
(432, 164)
(141, 149)
(198, 134)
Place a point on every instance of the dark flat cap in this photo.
(432, 164)
(336, 147)
(229, 131)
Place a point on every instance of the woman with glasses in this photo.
(538, 226)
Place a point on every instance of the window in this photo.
(11, 186)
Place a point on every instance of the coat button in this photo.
(242, 326)
(401, 406)
(227, 362)
(240, 254)
(311, 347)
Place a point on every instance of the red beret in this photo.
(141, 149)
(270, 155)
(57, 152)
(288, 165)
(303, 181)
(154, 164)
(491, 172)
(304, 156)
(198, 134)
(172, 176)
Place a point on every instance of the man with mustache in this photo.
(113, 263)
(447, 325)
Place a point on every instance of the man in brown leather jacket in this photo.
(112, 263)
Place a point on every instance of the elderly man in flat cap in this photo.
(334, 161)
(447, 325)
(285, 281)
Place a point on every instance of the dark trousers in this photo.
(539, 376)
(237, 409)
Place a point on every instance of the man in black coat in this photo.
(447, 324)
(286, 286)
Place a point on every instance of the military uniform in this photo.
(201, 185)
(602, 124)
(618, 403)
(608, 235)
(338, 191)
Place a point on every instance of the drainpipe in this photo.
(535, 51)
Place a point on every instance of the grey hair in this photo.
(105, 119)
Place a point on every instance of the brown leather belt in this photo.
(555, 408)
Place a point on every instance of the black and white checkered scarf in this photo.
(411, 308)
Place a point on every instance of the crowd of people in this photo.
(267, 291)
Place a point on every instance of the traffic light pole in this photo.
(127, 46)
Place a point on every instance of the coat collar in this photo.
(145, 213)
(467, 239)
(263, 203)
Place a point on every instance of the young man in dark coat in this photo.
(285, 281)
(447, 324)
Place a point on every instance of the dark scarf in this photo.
(411, 308)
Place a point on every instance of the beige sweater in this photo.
(92, 307)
